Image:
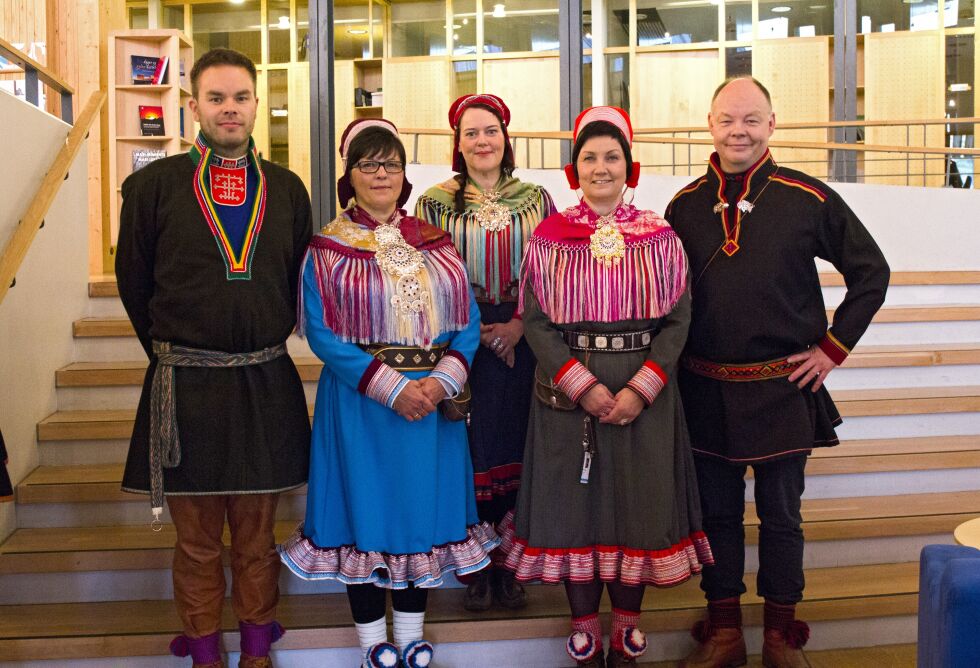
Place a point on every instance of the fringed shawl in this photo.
(493, 259)
(356, 294)
(572, 286)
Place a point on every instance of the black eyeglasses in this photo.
(372, 166)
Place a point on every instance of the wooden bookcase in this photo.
(125, 99)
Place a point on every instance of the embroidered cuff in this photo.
(574, 379)
(452, 371)
(833, 348)
(648, 381)
(382, 383)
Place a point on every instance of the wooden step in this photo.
(91, 425)
(125, 373)
(116, 424)
(907, 401)
(106, 286)
(888, 656)
(144, 628)
(109, 327)
(130, 547)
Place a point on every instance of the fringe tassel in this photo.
(356, 296)
(572, 286)
(493, 259)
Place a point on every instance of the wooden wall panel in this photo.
(343, 101)
(671, 89)
(797, 73)
(299, 120)
(24, 22)
(902, 80)
(260, 133)
(416, 94)
(514, 81)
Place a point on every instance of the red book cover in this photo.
(151, 121)
(160, 72)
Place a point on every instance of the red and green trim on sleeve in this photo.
(648, 381)
(574, 379)
(833, 348)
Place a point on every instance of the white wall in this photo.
(918, 229)
(36, 315)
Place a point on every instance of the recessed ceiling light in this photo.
(959, 87)
(356, 31)
(781, 9)
(499, 11)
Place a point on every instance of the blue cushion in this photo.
(949, 606)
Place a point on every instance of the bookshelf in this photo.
(125, 98)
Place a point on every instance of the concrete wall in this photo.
(36, 315)
(918, 229)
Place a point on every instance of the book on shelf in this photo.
(151, 121)
(148, 70)
(144, 156)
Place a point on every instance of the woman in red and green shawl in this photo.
(491, 216)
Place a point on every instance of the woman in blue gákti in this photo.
(388, 308)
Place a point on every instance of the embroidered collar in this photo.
(238, 266)
(749, 186)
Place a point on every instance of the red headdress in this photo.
(465, 102)
(616, 117)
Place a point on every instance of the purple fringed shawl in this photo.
(572, 286)
(356, 293)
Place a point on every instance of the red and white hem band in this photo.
(349, 565)
(648, 381)
(609, 563)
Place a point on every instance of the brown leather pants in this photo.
(198, 572)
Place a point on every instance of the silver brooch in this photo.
(745, 206)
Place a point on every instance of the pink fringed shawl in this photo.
(356, 293)
(572, 286)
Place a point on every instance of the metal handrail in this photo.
(35, 72)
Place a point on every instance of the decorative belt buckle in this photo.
(583, 341)
(617, 343)
(645, 339)
(601, 342)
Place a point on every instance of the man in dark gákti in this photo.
(757, 356)
(210, 246)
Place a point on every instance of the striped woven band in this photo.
(740, 373)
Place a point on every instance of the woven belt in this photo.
(740, 373)
(625, 342)
(407, 358)
(164, 438)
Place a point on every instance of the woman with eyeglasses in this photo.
(491, 216)
(386, 305)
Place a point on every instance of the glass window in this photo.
(738, 21)
(173, 17)
(892, 15)
(520, 25)
(959, 13)
(302, 30)
(279, 26)
(586, 82)
(138, 18)
(418, 28)
(738, 61)
(278, 117)
(960, 169)
(377, 29)
(464, 78)
(618, 80)
(617, 23)
(231, 26)
(795, 18)
(670, 22)
(350, 31)
(464, 28)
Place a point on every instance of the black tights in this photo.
(367, 602)
(583, 598)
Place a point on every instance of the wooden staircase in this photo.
(85, 578)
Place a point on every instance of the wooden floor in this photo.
(887, 656)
